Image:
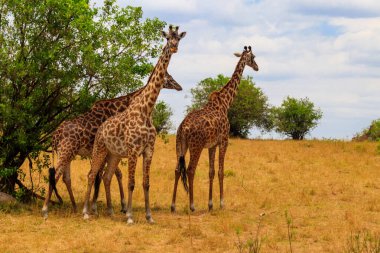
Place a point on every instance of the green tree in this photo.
(161, 117)
(296, 117)
(56, 59)
(249, 108)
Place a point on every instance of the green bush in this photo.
(372, 133)
(296, 117)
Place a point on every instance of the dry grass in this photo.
(329, 189)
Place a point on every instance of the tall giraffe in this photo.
(131, 134)
(76, 137)
(208, 127)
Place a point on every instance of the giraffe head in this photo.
(248, 57)
(170, 83)
(173, 38)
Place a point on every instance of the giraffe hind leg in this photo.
(98, 180)
(177, 176)
(211, 153)
(53, 184)
(194, 158)
(67, 181)
(119, 177)
(98, 161)
(107, 178)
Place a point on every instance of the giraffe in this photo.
(76, 137)
(208, 128)
(131, 134)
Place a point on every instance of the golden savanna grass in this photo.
(328, 188)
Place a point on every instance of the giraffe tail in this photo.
(182, 170)
(98, 180)
(52, 183)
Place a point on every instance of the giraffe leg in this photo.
(119, 177)
(107, 178)
(194, 158)
(98, 180)
(177, 176)
(211, 156)
(97, 162)
(222, 153)
(147, 160)
(131, 185)
(46, 202)
(67, 181)
(63, 162)
(181, 148)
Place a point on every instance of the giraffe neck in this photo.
(116, 105)
(155, 83)
(228, 92)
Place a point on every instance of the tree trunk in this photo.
(8, 182)
(297, 136)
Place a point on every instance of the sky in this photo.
(326, 50)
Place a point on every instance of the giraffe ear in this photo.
(182, 35)
(237, 54)
(165, 35)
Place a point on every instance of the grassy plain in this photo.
(329, 189)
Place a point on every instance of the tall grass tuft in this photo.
(253, 245)
(363, 242)
(289, 223)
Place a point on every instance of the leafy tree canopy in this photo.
(161, 117)
(56, 59)
(250, 106)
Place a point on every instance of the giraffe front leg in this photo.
(119, 177)
(147, 160)
(131, 186)
(211, 155)
(222, 153)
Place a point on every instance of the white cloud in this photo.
(326, 50)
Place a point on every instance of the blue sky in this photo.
(326, 50)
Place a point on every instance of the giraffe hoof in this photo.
(172, 208)
(86, 216)
(110, 212)
(94, 208)
(129, 221)
(45, 214)
(123, 206)
(192, 208)
(210, 207)
(150, 220)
